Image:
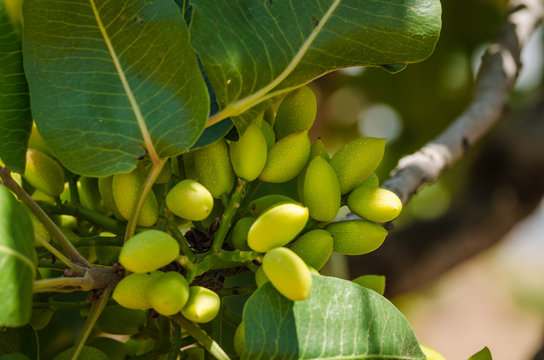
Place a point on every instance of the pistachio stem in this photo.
(230, 210)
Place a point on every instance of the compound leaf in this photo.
(340, 320)
(112, 79)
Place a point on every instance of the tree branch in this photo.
(495, 81)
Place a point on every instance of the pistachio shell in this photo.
(286, 158)
(148, 251)
(374, 204)
(288, 273)
(372, 282)
(268, 134)
(190, 200)
(239, 232)
(277, 226)
(213, 169)
(356, 237)
(321, 190)
(131, 292)
(44, 172)
(248, 154)
(106, 192)
(169, 293)
(296, 112)
(259, 205)
(126, 192)
(356, 161)
(202, 306)
(239, 339)
(431, 354)
(314, 247)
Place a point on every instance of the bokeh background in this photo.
(465, 261)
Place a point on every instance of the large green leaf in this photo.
(340, 320)
(109, 79)
(253, 50)
(17, 261)
(21, 340)
(15, 120)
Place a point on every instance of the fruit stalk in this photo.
(70, 250)
(230, 211)
(203, 339)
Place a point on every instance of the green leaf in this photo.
(15, 120)
(17, 261)
(483, 354)
(255, 50)
(340, 320)
(15, 356)
(110, 79)
(16, 341)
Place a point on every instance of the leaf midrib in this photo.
(126, 86)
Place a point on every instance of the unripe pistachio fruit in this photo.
(268, 133)
(148, 251)
(286, 158)
(431, 354)
(190, 200)
(238, 234)
(259, 205)
(356, 161)
(288, 273)
(202, 306)
(356, 237)
(89, 194)
(126, 192)
(314, 247)
(277, 226)
(213, 169)
(106, 192)
(169, 293)
(248, 154)
(321, 190)
(239, 339)
(374, 204)
(296, 112)
(372, 282)
(44, 172)
(132, 291)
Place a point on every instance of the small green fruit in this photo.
(374, 204)
(286, 158)
(268, 134)
(169, 293)
(318, 149)
(213, 169)
(37, 142)
(106, 192)
(314, 247)
(126, 192)
(119, 320)
(40, 231)
(277, 226)
(239, 339)
(259, 205)
(238, 234)
(288, 273)
(132, 291)
(203, 305)
(115, 350)
(431, 354)
(356, 161)
(148, 251)
(321, 190)
(40, 318)
(89, 194)
(296, 112)
(248, 154)
(372, 282)
(190, 200)
(44, 173)
(356, 237)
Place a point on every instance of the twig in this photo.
(496, 79)
(230, 210)
(202, 337)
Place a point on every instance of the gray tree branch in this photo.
(496, 79)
